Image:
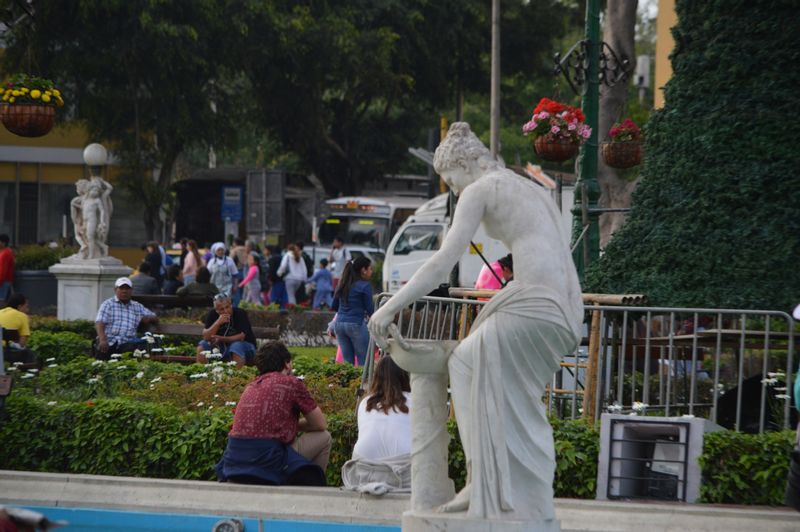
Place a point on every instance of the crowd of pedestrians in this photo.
(245, 272)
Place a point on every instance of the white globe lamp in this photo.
(96, 156)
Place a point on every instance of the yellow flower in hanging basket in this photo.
(30, 89)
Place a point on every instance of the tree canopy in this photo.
(714, 222)
(345, 86)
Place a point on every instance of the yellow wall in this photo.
(667, 18)
(62, 136)
(130, 256)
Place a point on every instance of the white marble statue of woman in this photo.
(498, 373)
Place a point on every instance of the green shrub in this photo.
(343, 374)
(35, 257)
(745, 468)
(344, 431)
(714, 222)
(49, 324)
(577, 446)
(61, 346)
(112, 437)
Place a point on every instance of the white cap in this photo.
(122, 281)
(796, 313)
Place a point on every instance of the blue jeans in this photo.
(353, 338)
(245, 350)
(236, 297)
(322, 296)
(278, 294)
(5, 291)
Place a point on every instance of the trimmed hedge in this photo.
(124, 437)
(714, 221)
(60, 346)
(743, 468)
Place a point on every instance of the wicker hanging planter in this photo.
(557, 150)
(28, 119)
(622, 154)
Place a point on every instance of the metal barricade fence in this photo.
(731, 366)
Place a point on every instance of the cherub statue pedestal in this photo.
(83, 284)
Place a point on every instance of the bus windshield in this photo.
(354, 230)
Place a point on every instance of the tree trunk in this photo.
(615, 192)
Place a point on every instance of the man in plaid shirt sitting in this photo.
(118, 319)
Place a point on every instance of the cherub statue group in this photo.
(91, 214)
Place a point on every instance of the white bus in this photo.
(364, 221)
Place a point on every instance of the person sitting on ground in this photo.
(382, 455)
(228, 330)
(15, 316)
(201, 286)
(172, 283)
(117, 320)
(143, 282)
(263, 446)
(323, 286)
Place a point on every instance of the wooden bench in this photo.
(150, 300)
(196, 330)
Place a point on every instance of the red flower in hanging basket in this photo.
(627, 131)
(625, 148)
(557, 130)
(28, 105)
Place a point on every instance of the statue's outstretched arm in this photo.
(468, 216)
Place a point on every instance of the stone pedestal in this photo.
(84, 284)
(430, 521)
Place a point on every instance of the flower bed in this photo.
(134, 417)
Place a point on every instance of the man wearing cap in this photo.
(118, 319)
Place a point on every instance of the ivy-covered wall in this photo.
(715, 221)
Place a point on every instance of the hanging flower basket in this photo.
(555, 150)
(557, 129)
(28, 119)
(622, 154)
(29, 105)
(625, 148)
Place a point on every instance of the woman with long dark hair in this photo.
(353, 303)
(382, 453)
(191, 262)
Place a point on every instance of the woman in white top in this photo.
(382, 455)
(293, 271)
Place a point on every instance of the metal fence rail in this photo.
(731, 366)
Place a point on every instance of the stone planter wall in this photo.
(298, 328)
(41, 289)
(307, 328)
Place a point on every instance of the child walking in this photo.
(323, 279)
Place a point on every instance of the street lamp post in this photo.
(587, 65)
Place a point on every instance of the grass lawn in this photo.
(323, 354)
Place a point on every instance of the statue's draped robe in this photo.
(513, 350)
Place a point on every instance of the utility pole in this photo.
(494, 107)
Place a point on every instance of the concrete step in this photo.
(340, 506)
